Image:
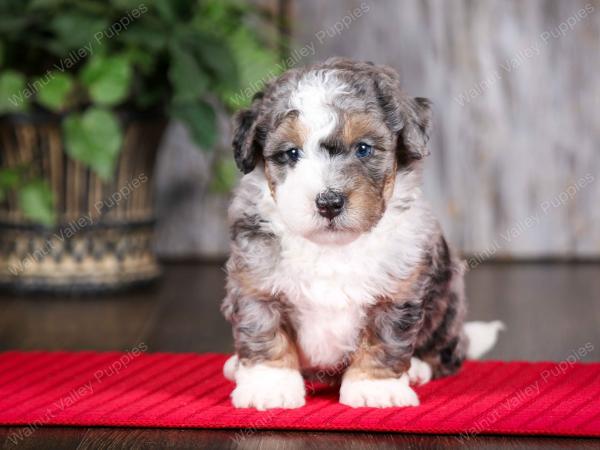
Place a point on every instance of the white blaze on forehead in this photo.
(315, 172)
(314, 99)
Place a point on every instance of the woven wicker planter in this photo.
(104, 238)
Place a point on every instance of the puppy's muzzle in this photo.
(330, 203)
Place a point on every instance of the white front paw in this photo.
(382, 393)
(265, 387)
(419, 372)
(230, 367)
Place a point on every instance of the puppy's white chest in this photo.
(329, 293)
(325, 336)
(331, 288)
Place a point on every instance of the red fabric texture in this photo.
(189, 390)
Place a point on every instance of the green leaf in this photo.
(1, 53)
(95, 139)
(54, 95)
(218, 59)
(212, 53)
(146, 35)
(165, 10)
(75, 31)
(141, 59)
(36, 200)
(12, 92)
(188, 80)
(9, 179)
(257, 65)
(201, 121)
(224, 177)
(108, 79)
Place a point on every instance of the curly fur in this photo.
(365, 292)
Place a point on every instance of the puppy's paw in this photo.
(382, 393)
(230, 368)
(265, 387)
(419, 372)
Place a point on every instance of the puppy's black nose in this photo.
(330, 203)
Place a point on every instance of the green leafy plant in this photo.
(34, 195)
(87, 60)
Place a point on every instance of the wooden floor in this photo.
(551, 310)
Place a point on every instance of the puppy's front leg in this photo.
(378, 374)
(268, 373)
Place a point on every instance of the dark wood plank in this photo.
(126, 438)
(550, 309)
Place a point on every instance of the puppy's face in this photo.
(331, 142)
(330, 170)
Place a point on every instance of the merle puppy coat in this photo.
(337, 265)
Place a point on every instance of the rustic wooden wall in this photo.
(515, 163)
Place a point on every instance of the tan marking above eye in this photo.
(291, 131)
(359, 127)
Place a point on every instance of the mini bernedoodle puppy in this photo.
(337, 264)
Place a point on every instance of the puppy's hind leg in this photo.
(420, 371)
(454, 341)
(443, 345)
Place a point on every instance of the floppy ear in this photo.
(409, 118)
(248, 138)
(413, 138)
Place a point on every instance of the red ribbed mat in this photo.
(188, 390)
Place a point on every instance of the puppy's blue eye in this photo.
(363, 150)
(289, 156)
(293, 154)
